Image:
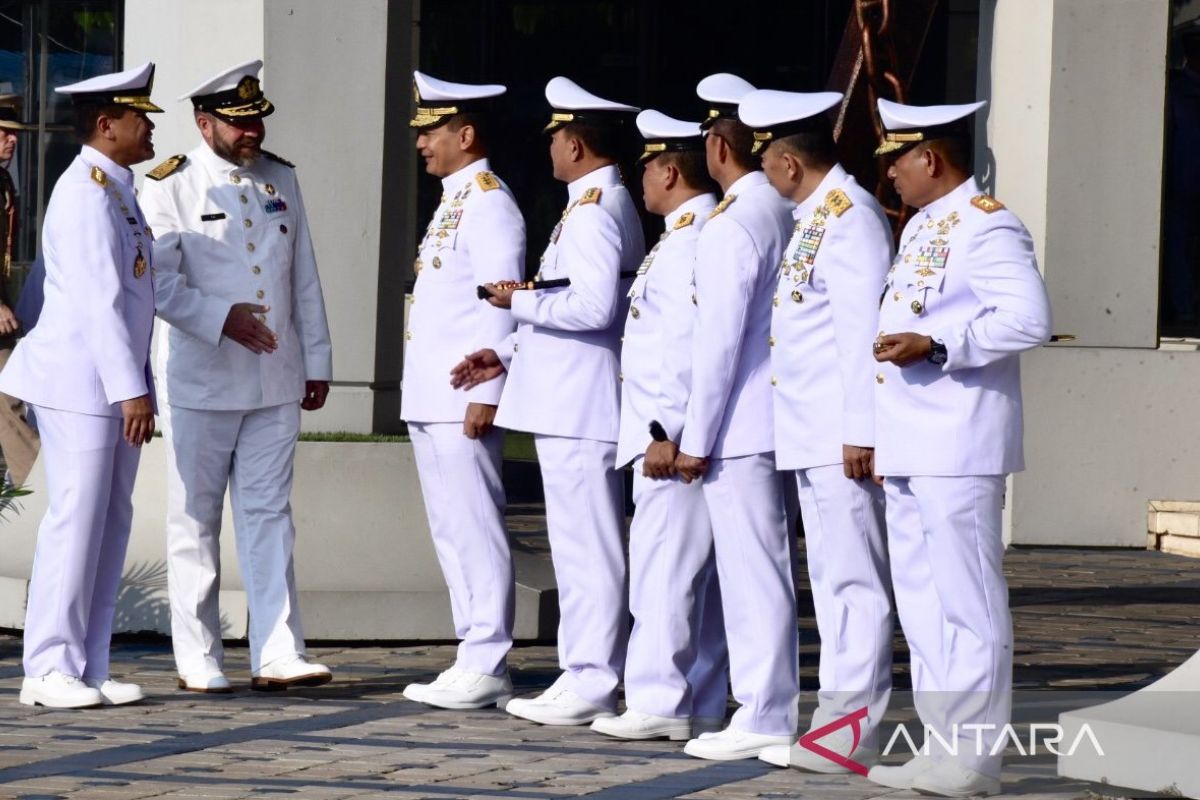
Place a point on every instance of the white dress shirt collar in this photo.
(833, 179)
(455, 180)
(111, 168)
(699, 205)
(953, 199)
(598, 178)
(747, 181)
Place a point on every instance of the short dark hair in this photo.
(815, 145)
(693, 168)
(740, 139)
(601, 139)
(955, 150)
(477, 121)
(88, 112)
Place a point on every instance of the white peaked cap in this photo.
(232, 94)
(664, 133)
(129, 87)
(225, 80)
(451, 98)
(571, 102)
(723, 91)
(767, 108)
(907, 125)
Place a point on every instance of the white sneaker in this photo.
(948, 778)
(116, 693)
(902, 777)
(56, 690)
(457, 689)
(556, 707)
(205, 682)
(732, 744)
(636, 725)
(802, 758)
(293, 670)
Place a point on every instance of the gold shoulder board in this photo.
(590, 196)
(487, 181)
(166, 168)
(721, 206)
(99, 177)
(986, 203)
(838, 202)
(686, 219)
(278, 159)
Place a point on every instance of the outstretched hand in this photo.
(476, 368)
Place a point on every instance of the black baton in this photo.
(553, 283)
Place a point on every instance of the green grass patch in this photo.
(345, 436)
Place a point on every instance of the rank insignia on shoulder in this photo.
(278, 159)
(839, 203)
(590, 196)
(99, 177)
(487, 181)
(166, 168)
(684, 220)
(986, 203)
(725, 203)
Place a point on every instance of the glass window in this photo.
(44, 44)
(1179, 300)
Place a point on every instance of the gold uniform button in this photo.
(235, 179)
(437, 263)
(879, 378)
(797, 297)
(621, 377)
(920, 283)
(803, 274)
(633, 312)
(774, 381)
(245, 200)
(260, 294)
(896, 297)
(256, 269)
(247, 223)
(770, 341)
(916, 307)
(250, 246)
(775, 300)
(408, 336)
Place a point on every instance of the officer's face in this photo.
(133, 137)
(8, 144)
(654, 189)
(440, 148)
(237, 142)
(775, 166)
(910, 175)
(560, 153)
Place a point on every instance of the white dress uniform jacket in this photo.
(657, 349)
(227, 234)
(966, 275)
(729, 413)
(91, 347)
(825, 303)
(476, 236)
(565, 381)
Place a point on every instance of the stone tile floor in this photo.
(1086, 622)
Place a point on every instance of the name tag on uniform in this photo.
(211, 217)
(276, 205)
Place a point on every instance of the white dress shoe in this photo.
(116, 693)
(636, 725)
(56, 690)
(802, 758)
(458, 690)
(556, 707)
(732, 744)
(205, 682)
(902, 777)
(293, 670)
(948, 778)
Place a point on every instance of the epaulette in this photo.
(721, 206)
(986, 203)
(684, 220)
(99, 177)
(487, 181)
(278, 159)
(166, 168)
(837, 202)
(590, 196)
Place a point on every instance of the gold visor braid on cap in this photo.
(897, 141)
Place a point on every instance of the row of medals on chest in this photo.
(442, 226)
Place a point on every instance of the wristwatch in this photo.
(937, 353)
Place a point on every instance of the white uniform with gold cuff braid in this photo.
(676, 665)
(89, 351)
(476, 236)
(563, 387)
(823, 323)
(729, 422)
(229, 234)
(946, 435)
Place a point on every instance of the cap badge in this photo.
(247, 88)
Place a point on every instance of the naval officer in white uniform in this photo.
(85, 369)
(823, 323)
(963, 299)
(476, 236)
(727, 440)
(247, 348)
(676, 680)
(563, 387)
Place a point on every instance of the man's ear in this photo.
(794, 167)
(670, 177)
(575, 148)
(466, 137)
(104, 126)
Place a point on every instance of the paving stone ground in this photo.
(1090, 624)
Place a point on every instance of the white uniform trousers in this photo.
(758, 594)
(944, 538)
(585, 517)
(251, 452)
(677, 664)
(81, 543)
(846, 547)
(464, 500)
